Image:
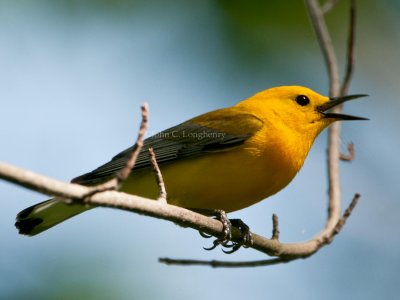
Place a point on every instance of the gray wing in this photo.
(183, 141)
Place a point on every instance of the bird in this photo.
(226, 160)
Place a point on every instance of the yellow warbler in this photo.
(226, 159)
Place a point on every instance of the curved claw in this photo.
(235, 248)
(228, 244)
(215, 244)
(205, 235)
(226, 232)
(224, 244)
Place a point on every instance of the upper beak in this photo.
(336, 101)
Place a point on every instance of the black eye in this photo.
(302, 100)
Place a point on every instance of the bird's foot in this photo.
(226, 235)
(247, 238)
(225, 239)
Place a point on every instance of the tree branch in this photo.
(283, 252)
(316, 13)
(320, 240)
(349, 157)
(162, 193)
(275, 227)
(333, 157)
(187, 218)
(126, 171)
(351, 49)
(325, 42)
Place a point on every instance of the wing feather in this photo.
(214, 131)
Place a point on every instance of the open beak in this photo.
(336, 101)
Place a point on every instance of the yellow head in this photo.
(300, 109)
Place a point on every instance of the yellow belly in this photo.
(229, 180)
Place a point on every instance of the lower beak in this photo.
(337, 101)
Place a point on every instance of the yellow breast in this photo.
(229, 180)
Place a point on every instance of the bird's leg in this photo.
(226, 230)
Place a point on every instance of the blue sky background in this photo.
(73, 76)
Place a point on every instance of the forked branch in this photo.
(334, 219)
(106, 195)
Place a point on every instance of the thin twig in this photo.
(222, 264)
(115, 182)
(162, 192)
(351, 153)
(334, 205)
(351, 48)
(346, 214)
(329, 5)
(259, 263)
(325, 42)
(125, 171)
(275, 227)
(335, 130)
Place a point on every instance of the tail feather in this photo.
(42, 216)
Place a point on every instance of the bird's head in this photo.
(299, 108)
